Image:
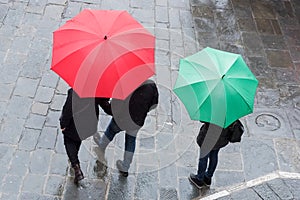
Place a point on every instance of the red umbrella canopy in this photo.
(103, 53)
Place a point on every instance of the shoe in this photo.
(121, 169)
(78, 174)
(207, 180)
(198, 183)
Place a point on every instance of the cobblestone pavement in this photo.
(265, 165)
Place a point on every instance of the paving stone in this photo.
(14, 60)
(4, 9)
(29, 139)
(11, 196)
(232, 161)
(221, 178)
(5, 42)
(179, 4)
(44, 94)
(186, 189)
(53, 12)
(241, 8)
(123, 187)
(19, 163)
(164, 107)
(144, 4)
(295, 53)
(26, 87)
(285, 76)
(143, 15)
(161, 14)
(9, 74)
(170, 194)
(279, 187)
(253, 44)
(245, 194)
(265, 192)
(259, 66)
(59, 164)
(273, 42)
(55, 185)
(188, 158)
(11, 184)
(36, 7)
(62, 87)
(40, 161)
(6, 91)
(39, 108)
(168, 178)
(174, 18)
(6, 154)
(33, 183)
(58, 102)
(257, 164)
(293, 185)
(279, 58)
(246, 24)
(11, 130)
(146, 186)
(288, 155)
(14, 16)
(96, 190)
(115, 4)
(49, 79)
(35, 121)
(59, 145)
(47, 138)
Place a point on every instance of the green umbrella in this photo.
(216, 86)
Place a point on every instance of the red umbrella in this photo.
(103, 53)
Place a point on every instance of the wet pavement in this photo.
(265, 165)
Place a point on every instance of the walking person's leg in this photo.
(130, 142)
(213, 162)
(197, 179)
(106, 138)
(72, 148)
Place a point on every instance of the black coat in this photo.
(80, 116)
(214, 134)
(130, 114)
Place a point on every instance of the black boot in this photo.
(78, 174)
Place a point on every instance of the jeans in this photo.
(130, 135)
(202, 165)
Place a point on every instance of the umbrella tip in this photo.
(223, 76)
(105, 37)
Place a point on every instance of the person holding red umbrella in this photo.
(128, 115)
(78, 121)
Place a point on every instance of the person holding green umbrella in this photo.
(217, 88)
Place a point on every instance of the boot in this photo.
(78, 174)
(123, 166)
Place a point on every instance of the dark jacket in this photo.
(80, 116)
(130, 114)
(214, 134)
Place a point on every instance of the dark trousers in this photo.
(72, 148)
(203, 170)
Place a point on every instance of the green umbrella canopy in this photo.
(216, 86)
